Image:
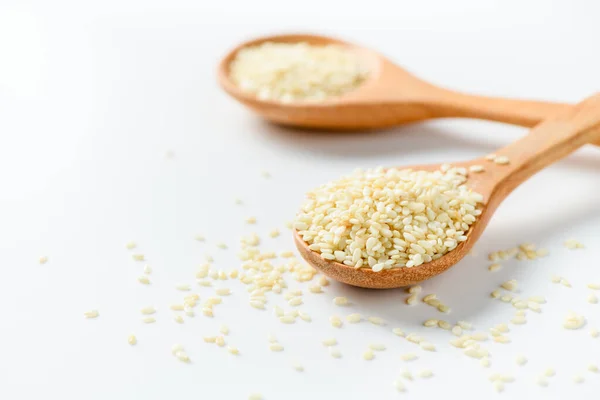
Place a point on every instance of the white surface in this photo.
(93, 95)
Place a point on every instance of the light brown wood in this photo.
(547, 143)
(391, 96)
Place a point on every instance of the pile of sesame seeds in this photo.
(389, 218)
(279, 282)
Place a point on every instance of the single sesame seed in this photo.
(286, 254)
(233, 350)
(200, 238)
(43, 260)
(376, 320)
(335, 321)
(91, 314)
(178, 319)
(297, 366)
(220, 341)
(494, 267)
(430, 323)
(330, 342)
(593, 368)
(427, 346)
(275, 347)
(251, 220)
(398, 332)
(594, 333)
(295, 301)
(224, 329)
(335, 353)
(499, 386)
(377, 346)
(130, 245)
(457, 330)
(594, 286)
(255, 396)
(148, 310)
(465, 325)
(444, 325)
(210, 339)
(549, 372)
(414, 289)
(204, 282)
(476, 168)
(287, 320)
(323, 281)
(408, 357)
(223, 291)
(354, 318)
(521, 360)
(274, 233)
(510, 285)
(399, 385)
(368, 355)
(592, 298)
(443, 308)
(429, 297)
(340, 301)
(144, 280)
(207, 312)
(425, 374)
(495, 294)
(132, 340)
(574, 321)
(490, 157)
(501, 160)
(518, 320)
(222, 245)
(578, 379)
(138, 257)
(412, 299)
(149, 320)
(541, 381)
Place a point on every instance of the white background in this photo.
(92, 96)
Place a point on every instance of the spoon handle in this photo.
(525, 113)
(548, 142)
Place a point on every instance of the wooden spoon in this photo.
(390, 96)
(547, 143)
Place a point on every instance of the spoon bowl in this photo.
(549, 142)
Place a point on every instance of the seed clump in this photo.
(384, 219)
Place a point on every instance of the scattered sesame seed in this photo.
(414, 289)
(287, 319)
(398, 332)
(427, 346)
(275, 347)
(498, 386)
(593, 368)
(425, 374)
(521, 360)
(368, 355)
(494, 267)
(408, 357)
(233, 350)
(330, 342)
(255, 396)
(274, 233)
(573, 244)
(485, 362)
(354, 318)
(594, 286)
(476, 168)
(490, 157)
(200, 238)
(223, 291)
(376, 320)
(501, 160)
(549, 372)
(224, 329)
(412, 299)
(323, 281)
(207, 312)
(510, 285)
(594, 333)
(251, 220)
(43, 260)
(335, 321)
(574, 321)
(149, 320)
(178, 319)
(399, 385)
(457, 330)
(377, 346)
(91, 314)
(465, 325)
(592, 298)
(429, 297)
(132, 340)
(541, 381)
(430, 323)
(444, 325)
(335, 353)
(138, 257)
(297, 366)
(578, 379)
(148, 310)
(340, 301)
(144, 280)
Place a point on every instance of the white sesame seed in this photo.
(415, 289)
(335, 321)
(408, 357)
(537, 299)
(501, 160)
(518, 320)
(443, 308)
(144, 280)
(465, 325)
(594, 286)
(521, 360)
(275, 347)
(476, 168)
(414, 338)
(425, 374)
(295, 301)
(178, 319)
(510, 285)
(495, 294)
(329, 342)
(207, 312)
(429, 297)
(541, 381)
(287, 320)
(430, 323)
(335, 353)
(223, 291)
(148, 320)
(494, 267)
(138, 257)
(43, 260)
(592, 298)
(490, 157)
(376, 320)
(132, 340)
(549, 372)
(578, 379)
(251, 220)
(340, 301)
(148, 310)
(368, 355)
(304, 316)
(574, 321)
(412, 299)
(224, 329)
(233, 350)
(565, 283)
(457, 330)
(444, 325)
(593, 368)
(257, 304)
(399, 385)
(594, 333)
(573, 244)
(354, 318)
(286, 254)
(398, 332)
(427, 346)
(255, 396)
(377, 346)
(222, 245)
(498, 386)
(91, 314)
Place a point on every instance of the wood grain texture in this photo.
(547, 143)
(391, 96)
